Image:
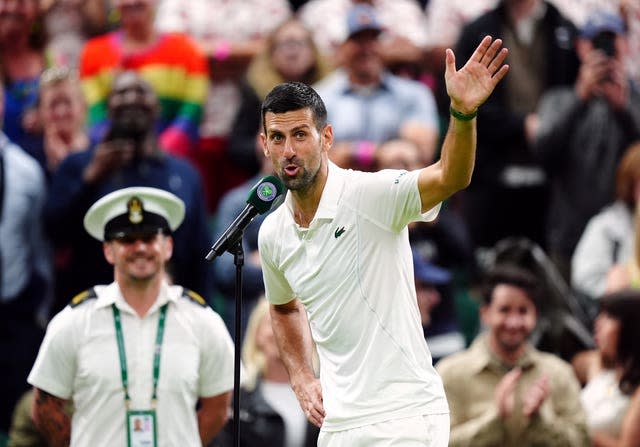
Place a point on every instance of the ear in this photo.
(168, 248)
(107, 249)
(327, 137)
(484, 314)
(263, 141)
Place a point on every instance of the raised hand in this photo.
(470, 86)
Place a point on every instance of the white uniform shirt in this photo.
(352, 269)
(79, 359)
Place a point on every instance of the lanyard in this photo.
(123, 357)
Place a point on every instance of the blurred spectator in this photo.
(231, 205)
(402, 42)
(289, 55)
(361, 94)
(22, 60)
(69, 23)
(608, 238)
(25, 270)
(171, 63)
(583, 131)
(626, 274)
(504, 392)
(128, 156)
(230, 33)
(611, 397)
(508, 192)
(437, 315)
(270, 414)
(62, 113)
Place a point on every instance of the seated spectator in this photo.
(289, 55)
(360, 94)
(626, 274)
(437, 315)
(129, 155)
(62, 112)
(502, 391)
(611, 396)
(583, 132)
(172, 63)
(608, 238)
(269, 411)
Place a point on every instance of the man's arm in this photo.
(291, 329)
(467, 88)
(49, 416)
(213, 413)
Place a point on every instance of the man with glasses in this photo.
(138, 349)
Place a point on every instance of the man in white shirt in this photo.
(338, 250)
(138, 349)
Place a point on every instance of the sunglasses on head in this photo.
(145, 236)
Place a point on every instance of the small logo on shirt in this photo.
(397, 180)
(339, 232)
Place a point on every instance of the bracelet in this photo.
(365, 151)
(462, 116)
(222, 50)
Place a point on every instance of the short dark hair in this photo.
(512, 275)
(624, 306)
(290, 96)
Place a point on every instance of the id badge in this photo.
(141, 428)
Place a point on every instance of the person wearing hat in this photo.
(438, 316)
(138, 347)
(584, 130)
(360, 94)
(504, 392)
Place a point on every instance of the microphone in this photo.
(259, 201)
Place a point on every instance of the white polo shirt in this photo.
(79, 359)
(352, 269)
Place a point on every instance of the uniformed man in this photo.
(138, 349)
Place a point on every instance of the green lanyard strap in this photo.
(123, 356)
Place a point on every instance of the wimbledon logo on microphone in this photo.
(267, 191)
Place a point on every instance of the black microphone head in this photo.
(264, 193)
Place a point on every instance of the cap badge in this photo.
(134, 207)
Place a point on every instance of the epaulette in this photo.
(195, 297)
(82, 297)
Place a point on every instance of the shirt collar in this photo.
(111, 294)
(482, 358)
(331, 193)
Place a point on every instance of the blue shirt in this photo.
(379, 114)
(23, 249)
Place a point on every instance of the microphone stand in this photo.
(238, 260)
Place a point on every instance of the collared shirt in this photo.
(352, 270)
(23, 249)
(79, 360)
(470, 379)
(379, 114)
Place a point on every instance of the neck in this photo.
(520, 9)
(140, 295)
(139, 37)
(508, 357)
(305, 202)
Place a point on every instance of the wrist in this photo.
(461, 116)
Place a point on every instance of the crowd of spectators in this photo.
(558, 156)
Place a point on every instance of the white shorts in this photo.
(419, 431)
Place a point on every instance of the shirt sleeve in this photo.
(216, 368)
(391, 199)
(276, 286)
(55, 367)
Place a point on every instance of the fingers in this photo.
(535, 396)
(450, 62)
(481, 50)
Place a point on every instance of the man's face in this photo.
(135, 13)
(360, 55)
(16, 18)
(132, 105)
(139, 259)
(510, 317)
(296, 148)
